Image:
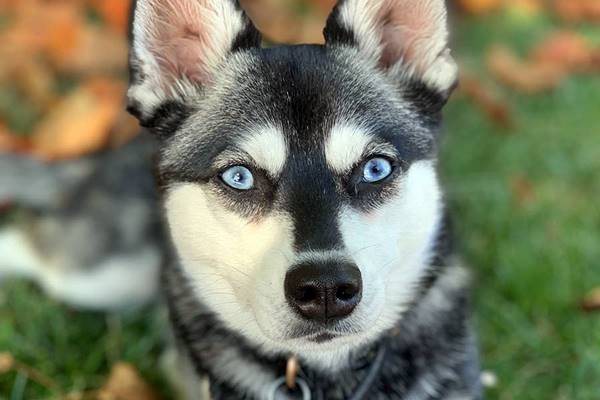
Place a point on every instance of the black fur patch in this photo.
(334, 32)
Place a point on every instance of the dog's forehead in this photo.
(303, 101)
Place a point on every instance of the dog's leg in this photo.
(17, 255)
(183, 377)
(120, 281)
(117, 282)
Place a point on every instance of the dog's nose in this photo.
(323, 291)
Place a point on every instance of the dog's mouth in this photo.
(322, 337)
(318, 336)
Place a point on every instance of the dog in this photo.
(300, 192)
(88, 231)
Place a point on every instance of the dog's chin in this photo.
(322, 349)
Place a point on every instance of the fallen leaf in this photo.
(565, 50)
(125, 383)
(525, 7)
(479, 7)
(578, 10)
(526, 77)
(99, 51)
(114, 12)
(7, 362)
(483, 97)
(324, 6)
(11, 143)
(81, 122)
(36, 81)
(522, 189)
(591, 302)
(125, 128)
(280, 23)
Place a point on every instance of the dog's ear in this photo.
(177, 48)
(406, 38)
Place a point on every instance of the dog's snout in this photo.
(323, 291)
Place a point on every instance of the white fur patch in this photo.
(392, 244)
(345, 147)
(120, 281)
(237, 266)
(17, 255)
(268, 149)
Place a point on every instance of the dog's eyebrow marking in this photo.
(345, 146)
(267, 147)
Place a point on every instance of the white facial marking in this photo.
(237, 266)
(391, 246)
(345, 146)
(268, 149)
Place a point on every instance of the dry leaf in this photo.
(483, 97)
(522, 189)
(125, 383)
(591, 302)
(125, 128)
(36, 81)
(526, 77)
(81, 122)
(525, 7)
(479, 7)
(10, 143)
(114, 12)
(98, 51)
(7, 362)
(578, 10)
(567, 50)
(325, 6)
(280, 23)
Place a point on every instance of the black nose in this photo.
(323, 291)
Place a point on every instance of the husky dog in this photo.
(89, 231)
(300, 190)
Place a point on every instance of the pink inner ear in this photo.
(179, 39)
(412, 31)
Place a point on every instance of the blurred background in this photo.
(521, 157)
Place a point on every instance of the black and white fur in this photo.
(304, 119)
(88, 231)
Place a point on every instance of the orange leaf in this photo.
(10, 143)
(591, 302)
(523, 190)
(98, 51)
(578, 10)
(479, 7)
(496, 110)
(114, 12)
(525, 77)
(36, 80)
(125, 128)
(525, 7)
(567, 50)
(125, 383)
(81, 122)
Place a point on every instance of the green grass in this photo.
(533, 258)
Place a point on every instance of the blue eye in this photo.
(238, 177)
(377, 169)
